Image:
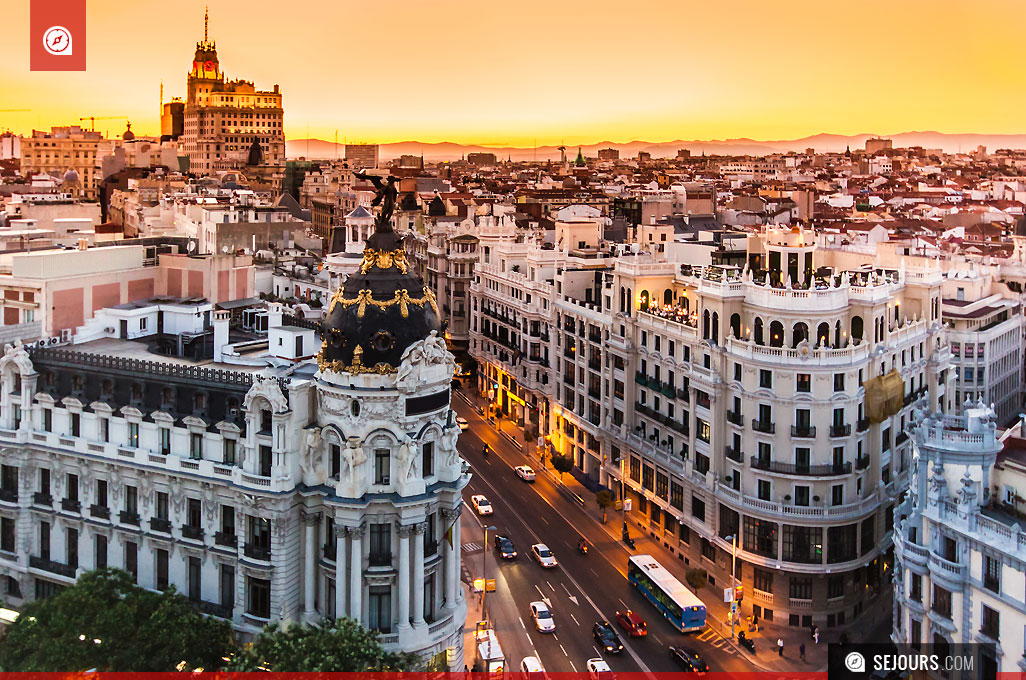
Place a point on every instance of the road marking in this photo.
(539, 591)
(552, 586)
(471, 547)
(573, 666)
(595, 572)
(624, 604)
(573, 599)
(522, 622)
(596, 650)
(564, 651)
(543, 519)
(575, 619)
(657, 639)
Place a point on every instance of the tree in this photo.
(106, 621)
(604, 498)
(339, 646)
(696, 578)
(562, 464)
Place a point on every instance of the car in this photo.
(481, 504)
(524, 472)
(689, 660)
(631, 622)
(462, 422)
(607, 637)
(505, 548)
(532, 669)
(598, 669)
(544, 556)
(542, 617)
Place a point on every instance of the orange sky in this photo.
(517, 71)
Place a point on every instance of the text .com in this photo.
(856, 662)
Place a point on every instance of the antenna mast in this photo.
(206, 17)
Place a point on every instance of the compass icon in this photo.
(57, 41)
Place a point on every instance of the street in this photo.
(583, 589)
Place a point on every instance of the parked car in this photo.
(544, 556)
(631, 622)
(542, 617)
(607, 637)
(524, 472)
(689, 660)
(481, 504)
(505, 548)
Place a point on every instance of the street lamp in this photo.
(733, 581)
(484, 571)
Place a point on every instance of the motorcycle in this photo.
(582, 547)
(746, 642)
(627, 537)
(484, 451)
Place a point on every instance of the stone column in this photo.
(418, 573)
(310, 574)
(356, 573)
(451, 563)
(340, 571)
(404, 575)
(457, 551)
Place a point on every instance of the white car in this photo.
(524, 472)
(481, 504)
(462, 422)
(542, 617)
(544, 556)
(598, 669)
(532, 669)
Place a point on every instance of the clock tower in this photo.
(205, 75)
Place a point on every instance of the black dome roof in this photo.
(379, 311)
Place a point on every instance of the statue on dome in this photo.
(386, 197)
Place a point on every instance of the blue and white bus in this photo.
(680, 606)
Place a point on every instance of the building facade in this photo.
(65, 152)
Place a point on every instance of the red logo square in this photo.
(57, 40)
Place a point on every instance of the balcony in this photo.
(840, 430)
(764, 427)
(640, 378)
(735, 418)
(862, 424)
(161, 525)
(703, 400)
(329, 551)
(733, 454)
(258, 552)
(901, 438)
(380, 560)
(796, 469)
(213, 609)
(99, 511)
(40, 498)
(51, 566)
(9, 495)
(862, 463)
(683, 395)
(226, 539)
(71, 505)
(127, 517)
(193, 532)
(803, 431)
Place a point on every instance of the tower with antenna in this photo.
(562, 153)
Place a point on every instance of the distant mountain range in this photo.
(443, 151)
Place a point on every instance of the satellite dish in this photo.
(224, 249)
(191, 247)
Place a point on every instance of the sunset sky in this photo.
(510, 73)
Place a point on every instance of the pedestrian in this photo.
(780, 646)
(801, 652)
(813, 629)
(815, 636)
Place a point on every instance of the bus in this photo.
(680, 606)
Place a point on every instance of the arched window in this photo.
(735, 325)
(622, 300)
(799, 333)
(837, 334)
(716, 327)
(667, 297)
(643, 299)
(759, 339)
(857, 328)
(823, 334)
(776, 334)
(684, 303)
(705, 324)
(630, 301)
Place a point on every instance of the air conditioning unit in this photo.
(66, 335)
(109, 329)
(55, 340)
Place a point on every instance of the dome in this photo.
(129, 135)
(1020, 226)
(70, 176)
(379, 311)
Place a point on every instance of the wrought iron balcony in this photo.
(71, 505)
(127, 517)
(735, 417)
(258, 552)
(805, 431)
(40, 498)
(797, 469)
(222, 538)
(840, 430)
(766, 427)
(161, 525)
(100, 511)
(51, 566)
(193, 532)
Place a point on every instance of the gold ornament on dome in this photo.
(356, 368)
(383, 259)
(401, 298)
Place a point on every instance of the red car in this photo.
(632, 623)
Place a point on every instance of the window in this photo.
(801, 495)
(44, 540)
(915, 633)
(132, 559)
(162, 506)
(429, 598)
(635, 469)
(868, 542)
(841, 543)
(44, 481)
(72, 488)
(132, 500)
(765, 452)
(165, 441)
(804, 383)
(802, 458)
(427, 460)
(100, 552)
(226, 587)
(196, 445)
(258, 597)
(737, 372)
(803, 544)
(764, 488)
(697, 508)
(801, 587)
(708, 550)
(431, 535)
(9, 482)
(104, 425)
(760, 537)
(228, 452)
(195, 580)
(676, 495)
(7, 534)
(47, 419)
(942, 601)
(265, 461)
(915, 587)
(382, 460)
(259, 533)
(835, 586)
(162, 569)
(76, 424)
(766, 378)
(194, 517)
(990, 623)
(837, 494)
(133, 434)
(991, 574)
(227, 520)
(702, 430)
(380, 544)
(762, 580)
(838, 382)
(336, 461)
(379, 608)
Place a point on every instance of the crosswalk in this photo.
(714, 639)
(472, 547)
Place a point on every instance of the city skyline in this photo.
(709, 73)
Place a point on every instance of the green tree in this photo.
(106, 621)
(604, 498)
(340, 646)
(562, 464)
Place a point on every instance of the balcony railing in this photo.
(193, 532)
(101, 511)
(329, 551)
(735, 417)
(862, 424)
(226, 539)
(51, 566)
(161, 525)
(257, 552)
(806, 431)
(213, 608)
(127, 517)
(797, 469)
(733, 453)
(764, 427)
(71, 505)
(380, 560)
(840, 430)
(40, 498)
(862, 463)
(9, 495)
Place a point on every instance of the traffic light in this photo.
(739, 592)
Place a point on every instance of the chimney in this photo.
(221, 318)
(274, 314)
(83, 244)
